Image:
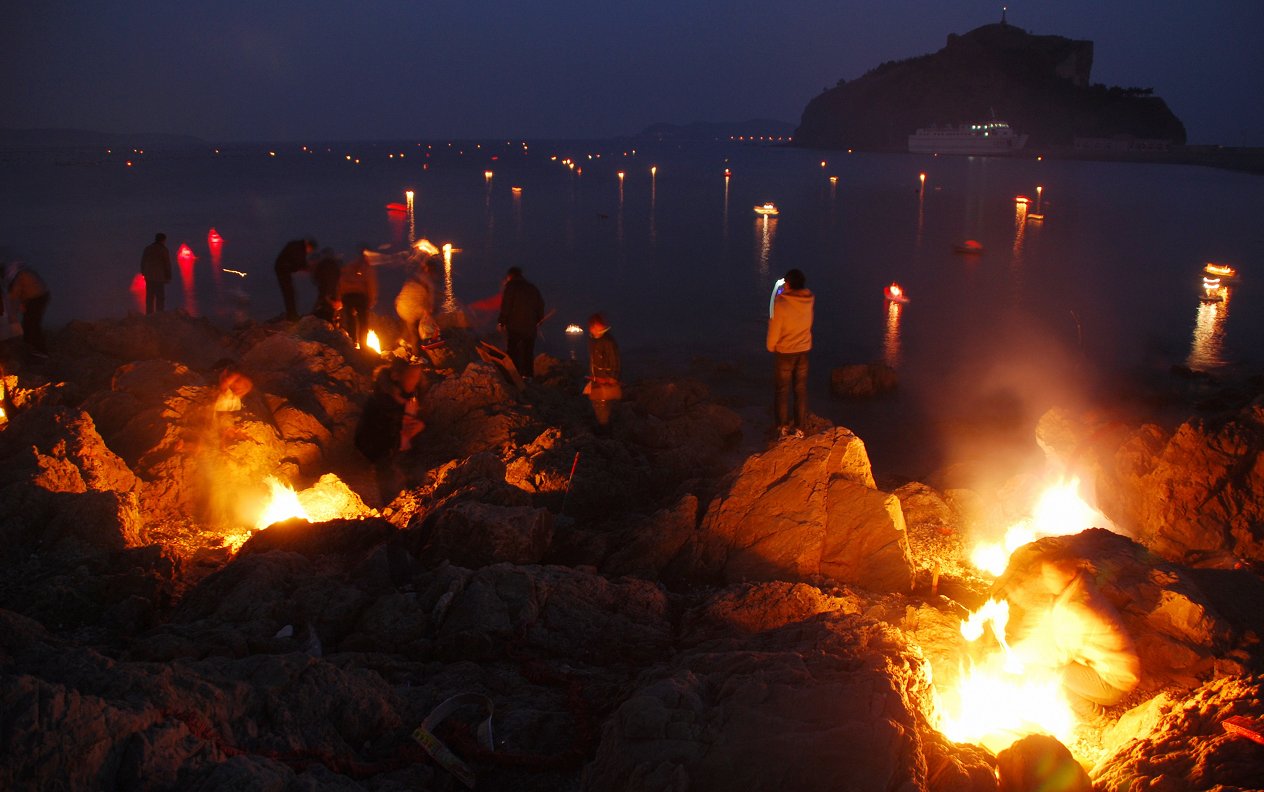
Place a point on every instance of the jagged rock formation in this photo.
(1039, 84)
(670, 617)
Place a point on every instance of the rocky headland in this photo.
(1041, 85)
(681, 605)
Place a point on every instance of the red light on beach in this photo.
(137, 290)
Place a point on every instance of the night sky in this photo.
(390, 69)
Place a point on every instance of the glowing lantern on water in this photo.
(516, 190)
(185, 256)
(728, 173)
(214, 240)
(371, 341)
(653, 170)
(833, 180)
(487, 175)
(283, 504)
(823, 163)
(895, 293)
(921, 177)
(574, 329)
(620, 174)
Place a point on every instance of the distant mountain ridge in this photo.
(718, 130)
(39, 139)
(1039, 84)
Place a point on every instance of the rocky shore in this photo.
(660, 609)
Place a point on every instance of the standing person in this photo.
(790, 339)
(604, 367)
(359, 294)
(28, 290)
(389, 422)
(155, 266)
(327, 274)
(521, 310)
(292, 259)
(415, 301)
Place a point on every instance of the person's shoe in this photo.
(783, 432)
(797, 434)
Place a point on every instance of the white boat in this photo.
(995, 137)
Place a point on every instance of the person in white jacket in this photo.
(790, 340)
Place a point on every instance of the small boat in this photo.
(397, 208)
(768, 210)
(1220, 270)
(971, 247)
(894, 293)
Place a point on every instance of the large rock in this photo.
(1184, 744)
(835, 702)
(476, 534)
(1194, 493)
(807, 508)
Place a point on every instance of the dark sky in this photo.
(380, 69)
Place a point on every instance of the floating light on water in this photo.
(408, 196)
(728, 173)
(487, 175)
(823, 163)
(235, 272)
(921, 177)
(574, 329)
(214, 240)
(1222, 270)
(271, 153)
(620, 174)
(371, 341)
(895, 293)
(184, 255)
(833, 180)
(653, 170)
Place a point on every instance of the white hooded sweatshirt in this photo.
(790, 328)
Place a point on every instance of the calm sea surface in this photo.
(682, 266)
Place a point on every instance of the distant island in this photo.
(754, 130)
(1040, 85)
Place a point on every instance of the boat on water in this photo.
(767, 210)
(992, 138)
(895, 294)
(1219, 270)
(971, 247)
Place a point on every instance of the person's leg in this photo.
(783, 366)
(601, 409)
(515, 347)
(151, 296)
(287, 294)
(33, 323)
(801, 392)
(528, 356)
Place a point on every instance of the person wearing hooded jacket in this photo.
(790, 340)
(27, 289)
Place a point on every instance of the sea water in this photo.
(675, 257)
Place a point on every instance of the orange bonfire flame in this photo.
(1005, 692)
(371, 341)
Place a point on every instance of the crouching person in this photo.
(389, 423)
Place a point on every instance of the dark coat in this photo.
(521, 307)
(155, 263)
(377, 433)
(293, 257)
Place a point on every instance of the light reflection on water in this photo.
(1206, 351)
(766, 230)
(891, 340)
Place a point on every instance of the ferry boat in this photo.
(995, 137)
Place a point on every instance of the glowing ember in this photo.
(427, 247)
(371, 341)
(1059, 511)
(282, 505)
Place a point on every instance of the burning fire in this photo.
(1059, 511)
(282, 505)
(1006, 691)
(371, 341)
(1007, 694)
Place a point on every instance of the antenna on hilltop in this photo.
(1003, 10)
